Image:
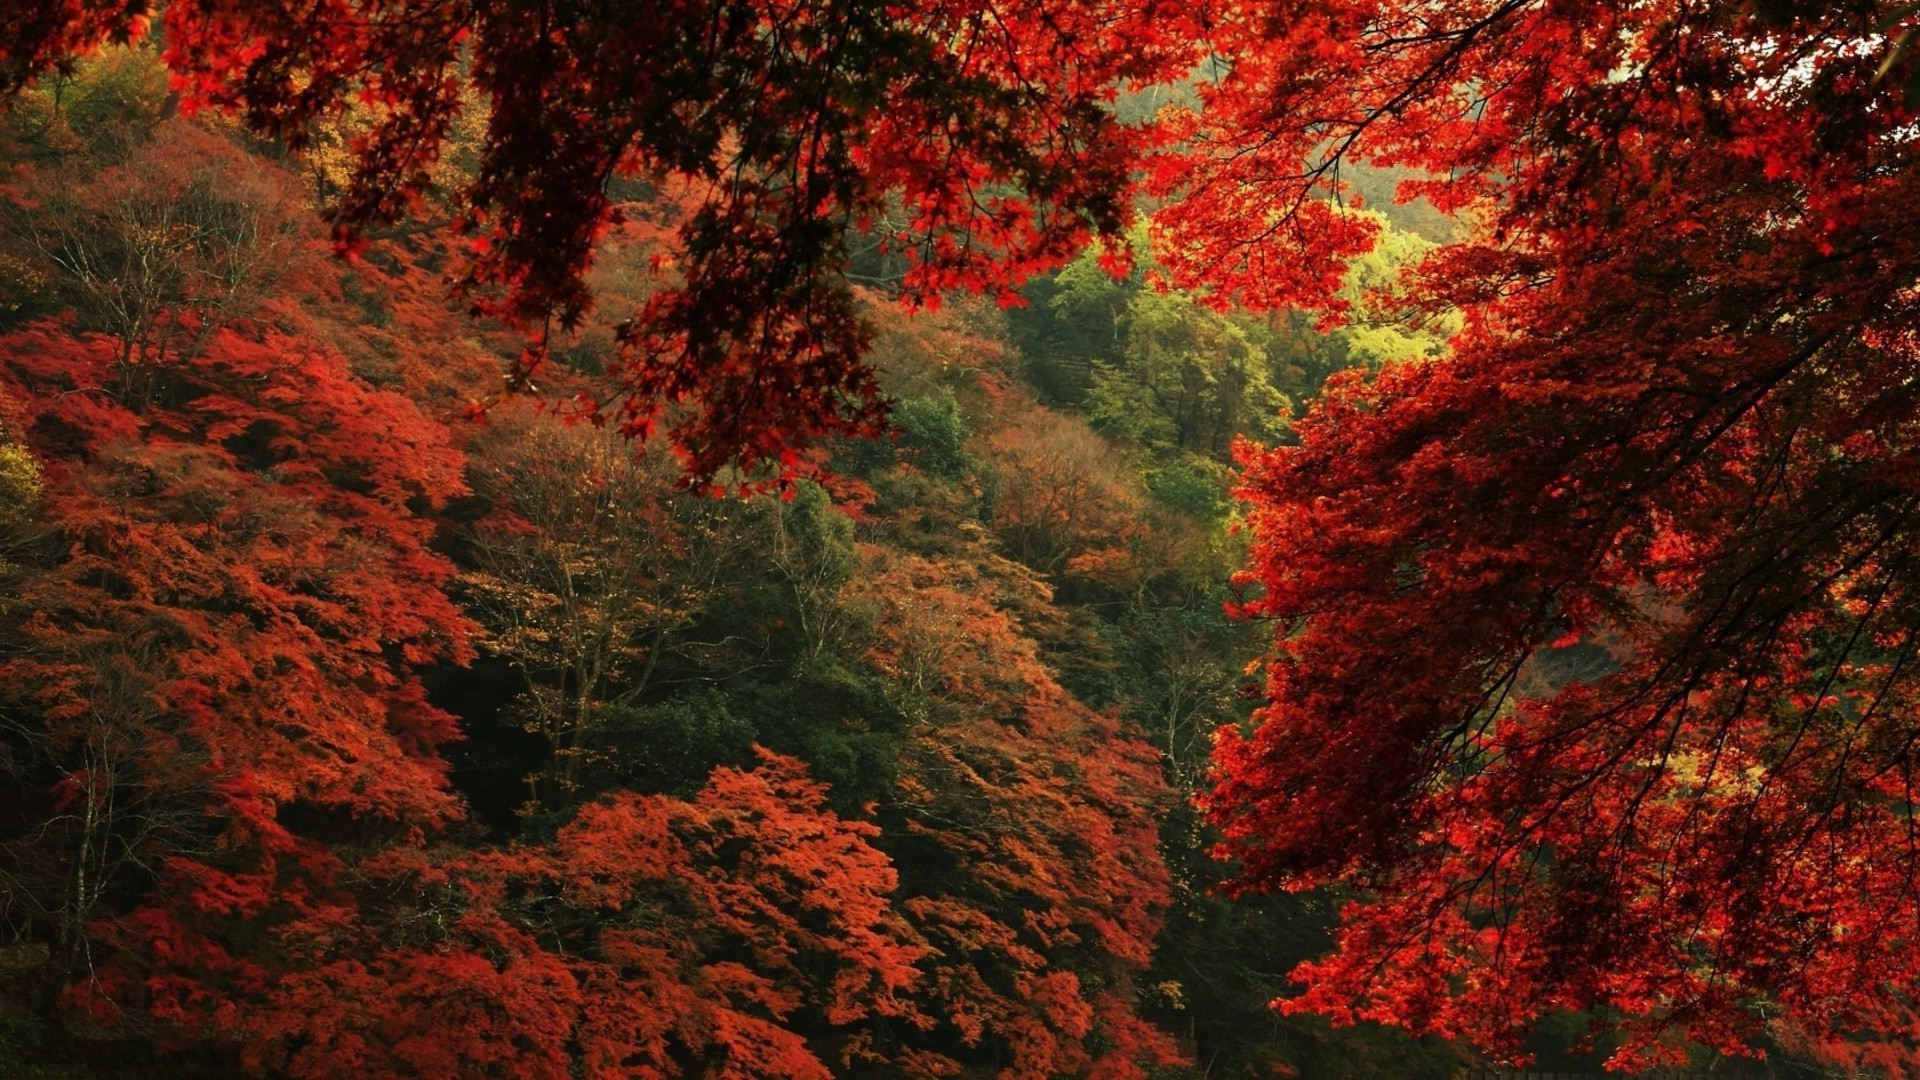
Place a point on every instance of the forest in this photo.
(1107, 539)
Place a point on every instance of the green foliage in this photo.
(1378, 333)
(838, 719)
(1192, 486)
(107, 103)
(120, 93)
(21, 1036)
(821, 537)
(935, 431)
(19, 486)
(1182, 670)
(1074, 320)
(670, 747)
(812, 550)
(1189, 378)
(1160, 369)
(1152, 366)
(1221, 962)
(20, 490)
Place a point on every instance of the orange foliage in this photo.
(1063, 502)
(1041, 807)
(650, 938)
(228, 646)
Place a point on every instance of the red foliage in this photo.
(1679, 423)
(44, 36)
(240, 780)
(227, 650)
(650, 938)
(1042, 807)
(228, 645)
(790, 124)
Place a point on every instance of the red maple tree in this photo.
(1594, 677)
(650, 937)
(221, 667)
(1039, 811)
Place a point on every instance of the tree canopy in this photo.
(1592, 683)
(977, 143)
(1675, 432)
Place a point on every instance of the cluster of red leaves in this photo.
(1680, 424)
(650, 938)
(44, 37)
(243, 774)
(247, 540)
(977, 140)
(222, 661)
(1042, 810)
(230, 639)
(1680, 419)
